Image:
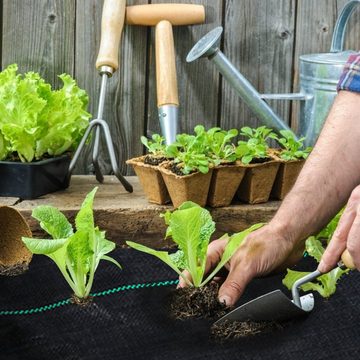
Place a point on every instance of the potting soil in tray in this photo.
(131, 321)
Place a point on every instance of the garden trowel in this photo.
(276, 306)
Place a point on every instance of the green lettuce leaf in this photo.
(44, 246)
(78, 254)
(191, 228)
(53, 221)
(34, 120)
(162, 255)
(325, 284)
(233, 244)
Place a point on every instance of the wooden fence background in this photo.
(263, 38)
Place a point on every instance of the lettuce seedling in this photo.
(220, 146)
(292, 148)
(262, 134)
(156, 146)
(325, 284)
(77, 254)
(256, 146)
(191, 152)
(190, 227)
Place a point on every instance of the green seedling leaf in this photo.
(314, 248)
(52, 221)
(292, 148)
(191, 228)
(85, 219)
(110, 259)
(233, 244)
(325, 285)
(162, 255)
(44, 246)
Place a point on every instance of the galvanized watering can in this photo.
(319, 75)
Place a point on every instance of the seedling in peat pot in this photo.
(255, 147)
(77, 254)
(220, 147)
(191, 152)
(292, 148)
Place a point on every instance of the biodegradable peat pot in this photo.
(286, 177)
(225, 180)
(193, 187)
(31, 180)
(14, 256)
(151, 181)
(258, 181)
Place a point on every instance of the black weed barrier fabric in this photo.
(134, 323)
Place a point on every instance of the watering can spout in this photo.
(208, 47)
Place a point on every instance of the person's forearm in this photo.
(329, 175)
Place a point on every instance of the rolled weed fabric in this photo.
(14, 256)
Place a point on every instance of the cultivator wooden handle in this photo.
(112, 23)
(166, 80)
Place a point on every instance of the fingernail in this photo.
(224, 299)
(321, 265)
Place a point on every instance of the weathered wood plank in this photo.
(198, 83)
(314, 29)
(8, 201)
(125, 96)
(258, 40)
(130, 217)
(39, 36)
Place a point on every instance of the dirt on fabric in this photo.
(83, 302)
(232, 330)
(14, 270)
(191, 302)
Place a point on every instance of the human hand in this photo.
(346, 236)
(262, 252)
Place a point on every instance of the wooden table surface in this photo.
(127, 216)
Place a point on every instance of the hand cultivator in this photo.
(107, 63)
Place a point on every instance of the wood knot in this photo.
(284, 34)
(325, 28)
(52, 18)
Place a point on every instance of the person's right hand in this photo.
(346, 235)
(262, 252)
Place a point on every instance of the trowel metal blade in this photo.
(273, 306)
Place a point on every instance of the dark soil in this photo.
(260, 160)
(193, 302)
(176, 169)
(14, 270)
(154, 160)
(231, 330)
(83, 302)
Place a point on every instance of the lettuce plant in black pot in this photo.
(39, 128)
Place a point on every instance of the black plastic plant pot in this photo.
(31, 180)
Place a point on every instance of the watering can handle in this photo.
(337, 43)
